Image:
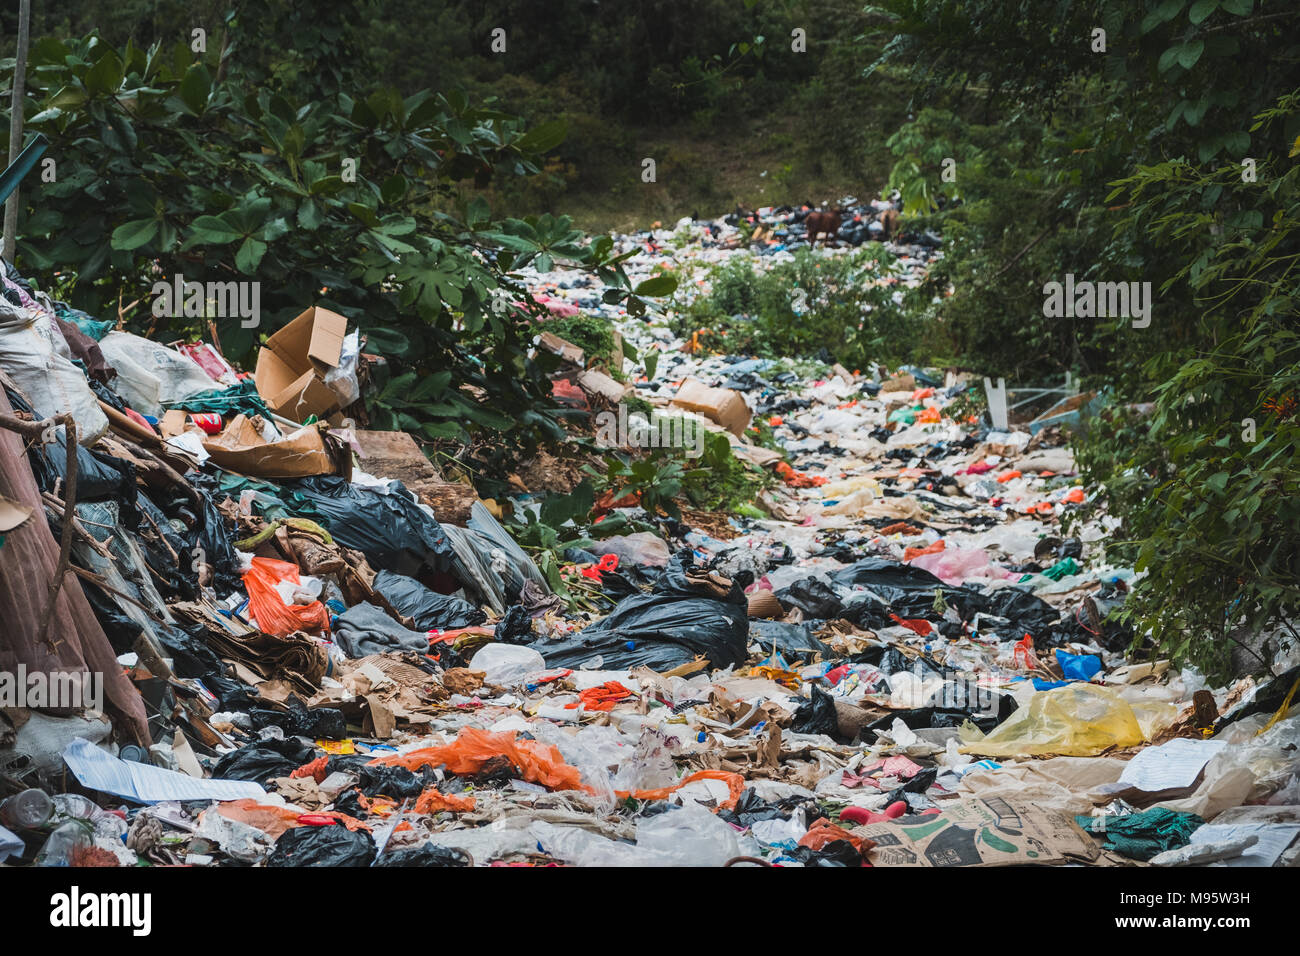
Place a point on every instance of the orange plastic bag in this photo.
(316, 769)
(823, 832)
(910, 553)
(928, 416)
(1006, 476)
(473, 747)
(272, 614)
(273, 820)
(734, 781)
(601, 697)
(433, 801)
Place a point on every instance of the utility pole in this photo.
(16, 120)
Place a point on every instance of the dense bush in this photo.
(852, 307)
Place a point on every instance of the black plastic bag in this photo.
(323, 723)
(678, 621)
(427, 608)
(835, 853)
(817, 716)
(426, 854)
(750, 809)
(813, 597)
(387, 526)
(515, 626)
(322, 846)
(1268, 699)
(908, 591)
(890, 660)
(99, 476)
(398, 783)
(212, 536)
(263, 760)
(794, 642)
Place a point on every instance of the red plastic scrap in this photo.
(601, 697)
(916, 625)
(316, 769)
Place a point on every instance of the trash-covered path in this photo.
(899, 655)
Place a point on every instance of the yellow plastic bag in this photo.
(1079, 720)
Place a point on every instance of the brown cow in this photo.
(823, 223)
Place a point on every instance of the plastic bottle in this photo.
(28, 810)
(74, 806)
(63, 843)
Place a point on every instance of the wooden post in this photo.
(16, 121)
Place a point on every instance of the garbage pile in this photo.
(316, 651)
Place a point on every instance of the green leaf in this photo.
(394, 188)
(544, 137)
(250, 255)
(133, 235)
(310, 215)
(1201, 9)
(657, 286)
(1189, 53)
(195, 88)
(105, 76)
(557, 509)
(211, 229)
(1239, 8)
(477, 211)
(651, 364)
(387, 342)
(1161, 14)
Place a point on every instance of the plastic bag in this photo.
(434, 801)
(384, 524)
(690, 836)
(734, 781)
(794, 642)
(506, 664)
(428, 609)
(641, 548)
(813, 597)
(265, 759)
(150, 375)
(679, 620)
(1078, 666)
(474, 747)
(426, 854)
(323, 846)
(958, 565)
(273, 615)
(35, 355)
(1077, 720)
(342, 378)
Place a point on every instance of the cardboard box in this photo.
(598, 383)
(721, 405)
(291, 366)
(563, 348)
(240, 448)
